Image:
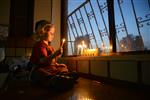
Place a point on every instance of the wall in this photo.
(21, 46)
(127, 68)
(4, 12)
(42, 10)
(56, 19)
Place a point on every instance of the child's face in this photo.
(50, 34)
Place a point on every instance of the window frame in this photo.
(64, 26)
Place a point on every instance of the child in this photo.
(44, 56)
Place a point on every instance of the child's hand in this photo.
(58, 52)
(61, 50)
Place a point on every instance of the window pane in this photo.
(132, 18)
(73, 4)
(89, 20)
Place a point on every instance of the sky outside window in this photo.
(126, 25)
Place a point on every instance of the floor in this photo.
(84, 89)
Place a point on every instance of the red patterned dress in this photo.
(44, 61)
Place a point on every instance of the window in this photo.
(88, 20)
(132, 18)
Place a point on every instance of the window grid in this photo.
(91, 18)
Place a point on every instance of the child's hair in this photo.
(42, 27)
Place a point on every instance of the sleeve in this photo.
(47, 56)
(43, 56)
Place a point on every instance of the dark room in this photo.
(74, 49)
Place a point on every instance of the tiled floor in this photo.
(85, 89)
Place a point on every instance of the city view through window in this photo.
(88, 21)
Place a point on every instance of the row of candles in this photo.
(84, 51)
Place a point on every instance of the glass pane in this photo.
(88, 22)
(73, 4)
(132, 18)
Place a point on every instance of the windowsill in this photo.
(116, 56)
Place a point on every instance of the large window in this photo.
(132, 18)
(88, 20)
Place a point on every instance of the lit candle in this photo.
(110, 49)
(84, 48)
(63, 41)
(79, 49)
(107, 50)
(83, 45)
(103, 48)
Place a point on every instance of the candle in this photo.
(110, 49)
(80, 48)
(83, 45)
(63, 41)
(103, 48)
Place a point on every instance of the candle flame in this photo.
(63, 40)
